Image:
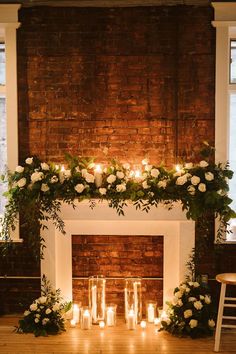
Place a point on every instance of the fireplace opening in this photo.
(117, 257)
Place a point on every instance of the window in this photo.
(8, 95)
(225, 103)
(3, 132)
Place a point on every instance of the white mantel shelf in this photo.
(178, 232)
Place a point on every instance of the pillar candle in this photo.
(131, 320)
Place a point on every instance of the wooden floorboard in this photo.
(116, 340)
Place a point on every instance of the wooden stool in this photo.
(224, 279)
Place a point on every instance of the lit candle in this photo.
(61, 174)
(102, 324)
(73, 323)
(110, 317)
(131, 320)
(137, 174)
(98, 176)
(76, 312)
(86, 320)
(157, 322)
(94, 303)
(143, 324)
(136, 301)
(150, 313)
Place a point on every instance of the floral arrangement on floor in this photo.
(36, 190)
(46, 315)
(191, 312)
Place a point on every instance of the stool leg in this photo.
(219, 317)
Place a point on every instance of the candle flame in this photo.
(98, 168)
(62, 168)
(178, 168)
(137, 174)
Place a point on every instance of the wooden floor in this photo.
(116, 340)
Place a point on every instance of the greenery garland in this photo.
(37, 189)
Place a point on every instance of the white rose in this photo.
(198, 305)
(19, 169)
(201, 297)
(120, 174)
(67, 174)
(167, 321)
(45, 321)
(26, 313)
(196, 284)
(29, 160)
(179, 303)
(202, 187)
(188, 165)
(203, 163)
(155, 172)
(145, 185)
(145, 161)
(121, 187)
(33, 307)
(175, 300)
(37, 315)
(192, 299)
(195, 180)
(54, 179)
(193, 323)
(42, 299)
(148, 168)
(44, 166)
(79, 188)
(181, 180)
(178, 294)
(126, 166)
(207, 299)
(48, 311)
(21, 183)
(37, 176)
(209, 176)
(36, 320)
(162, 184)
(188, 313)
(102, 191)
(111, 179)
(44, 187)
(89, 178)
(84, 172)
(56, 307)
(187, 290)
(190, 283)
(183, 286)
(211, 323)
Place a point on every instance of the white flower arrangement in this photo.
(191, 312)
(201, 188)
(46, 315)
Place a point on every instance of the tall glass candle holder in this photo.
(151, 311)
(97, 301)
(85, 318)
(133, 298)
(111, 315)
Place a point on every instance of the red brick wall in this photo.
(117, 257)
(138, 80)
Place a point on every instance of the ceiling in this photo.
(107, 3)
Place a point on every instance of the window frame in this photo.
(225, 24)
(8, 27)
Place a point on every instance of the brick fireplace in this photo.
(169, 230)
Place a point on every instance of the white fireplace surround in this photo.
(178, 232)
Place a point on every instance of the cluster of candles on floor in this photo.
(98, 313)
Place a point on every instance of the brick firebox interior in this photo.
(134, 81)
